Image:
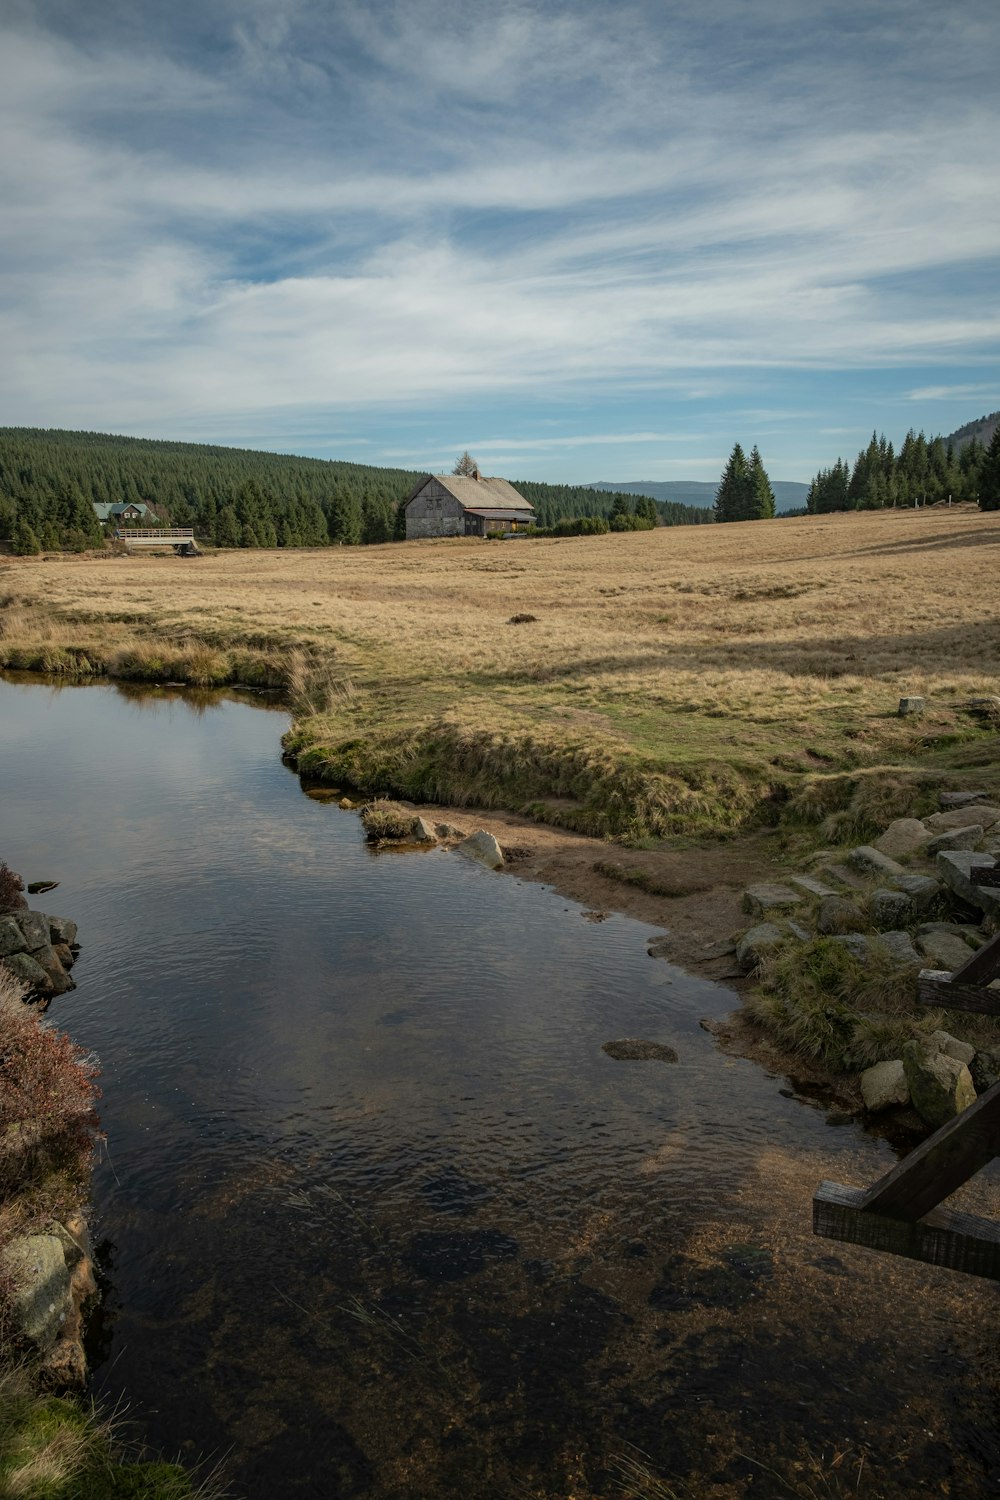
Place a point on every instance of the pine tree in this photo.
(761, 500)
(732, 498)
(465, 465)
(989, 474)
(26, 543)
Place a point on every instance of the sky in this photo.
(585, 241)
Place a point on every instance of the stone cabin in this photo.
(465, 505)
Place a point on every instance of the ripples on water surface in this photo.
(384, 1219)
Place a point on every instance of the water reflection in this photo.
(385, 1217)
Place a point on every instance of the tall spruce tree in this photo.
(761, 495)
(989, 474)
(732, 498)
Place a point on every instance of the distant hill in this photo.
(789, 494)
(982, 430)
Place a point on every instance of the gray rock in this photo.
(900, 946)
(422, 831)
(951, 1046)
(769, 896)
(753, 945)
(890, 910)
(11, 937)
(482, 847)
(884, 1085)
(29, 972)
(810, 886)
(940, 1086)
(904, 836)
(958, 871)
(961, 799)
(986, 706)
(448, 831)
(944, 949)
(857, 944)
(957, 838)
(837, 914)
(922, 890)
(985, 1069)
(798, 931)
(970, 935)
(960, 817)
(35, 927)
(42, 1299)
(871, 861)
(59, 981)
(61, 930)
(911, 705)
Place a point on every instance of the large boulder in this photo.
(11, 937)
(61, 930)
(922, 890)
(35, 927)
(944, 949)
(59, 981)
(884, 1085)
(890, 910)
(960, 817)
(900, 947)
(756, 943)
(904, 836)
(29, 971)
(967, 837)
(837, 914)
(482, 847)
(952, 1046)
(42, 1298)
(423, 831)
(940, 1086)
(985, 1069)
(958, 868)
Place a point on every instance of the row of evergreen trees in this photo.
(923, 472)
(235, 497)
(744, 492)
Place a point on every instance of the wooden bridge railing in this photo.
(901, 1212)
(168, 536)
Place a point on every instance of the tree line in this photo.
(234, 497)
(923, 472)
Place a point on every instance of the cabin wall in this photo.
(433, 512)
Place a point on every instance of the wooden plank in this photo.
(982, 967)
(934, 1169)
(939, 989)
(960, 1242)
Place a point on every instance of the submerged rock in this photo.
(451, 1256)
(634, 1049)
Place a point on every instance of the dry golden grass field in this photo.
(675, 681)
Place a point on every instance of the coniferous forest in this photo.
(923, 472)
(234, 497)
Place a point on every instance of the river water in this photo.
(380, 1218)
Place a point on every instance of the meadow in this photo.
(677, 682)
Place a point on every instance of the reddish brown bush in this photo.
(48, 1093)
(11, 886)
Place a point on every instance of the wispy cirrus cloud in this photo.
(223, 209)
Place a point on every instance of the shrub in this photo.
(11, 886)
(48, 1122)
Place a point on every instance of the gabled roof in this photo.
(104, 511)
(474, 493)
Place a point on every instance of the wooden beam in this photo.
(982, 966)
(938, 1166)
(960, 1242)
(938, 988)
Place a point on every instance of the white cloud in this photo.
(413, 203)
